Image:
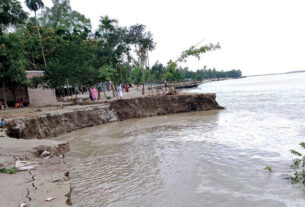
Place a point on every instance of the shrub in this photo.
(298, 166)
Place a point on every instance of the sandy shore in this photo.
(49, 177)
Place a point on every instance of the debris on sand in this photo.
(25, 165)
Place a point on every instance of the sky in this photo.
(256, 36)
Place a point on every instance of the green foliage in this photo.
(142, 41)
(34, 5)
(60, 42)
(32, 49)
(71, 64)
(211, 74)
(106, 73)
(157, 71)
(173, 74)
(13, 63)
(136, 75)
(12, 170)
(196, 52)
(11, 14)
(298, 166)
(61, 16)
(112, 44)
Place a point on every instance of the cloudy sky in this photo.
(256, 36)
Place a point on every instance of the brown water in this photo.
(214, 158)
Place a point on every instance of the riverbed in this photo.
(214, 158)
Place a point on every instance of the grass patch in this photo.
(12, 170)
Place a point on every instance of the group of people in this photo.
(119, 89)
(20, 103)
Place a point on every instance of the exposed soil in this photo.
(66, 120)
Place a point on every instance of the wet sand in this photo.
(49, 178)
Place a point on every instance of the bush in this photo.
(298, 166)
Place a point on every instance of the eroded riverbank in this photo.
(50, 177)
(214, 158)
(66, 120)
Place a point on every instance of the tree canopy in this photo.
(60, 41)
(11, 14)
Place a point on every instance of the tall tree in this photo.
(143, 43)
(113, 46)
(61, 15)
(35, 5)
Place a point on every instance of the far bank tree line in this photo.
(61, 42)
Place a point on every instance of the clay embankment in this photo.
(66, 120)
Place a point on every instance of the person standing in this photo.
(2, 123)
(120, 91)
(165, 85)
(94, 93)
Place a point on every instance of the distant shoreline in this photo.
(299, 71)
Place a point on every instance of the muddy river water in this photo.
(214, 158)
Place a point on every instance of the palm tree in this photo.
(35, 5)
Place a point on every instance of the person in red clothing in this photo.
(126, 88)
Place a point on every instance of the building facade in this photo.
(32, 96)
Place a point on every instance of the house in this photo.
(33, 96)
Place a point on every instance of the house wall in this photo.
(40, 96)
(21, 92)
(33, 96)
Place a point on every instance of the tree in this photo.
(61, 15)
(157, 71)
(196, 52)
(32, 50)
(136, 75)
(12, 67)
(71, 64)
(35, 5)
(106, 74)
(172, 73)
(143, 43)
(113, 46)
(11, 14)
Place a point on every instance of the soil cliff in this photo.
(66, 120)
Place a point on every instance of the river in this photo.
(211, 159)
